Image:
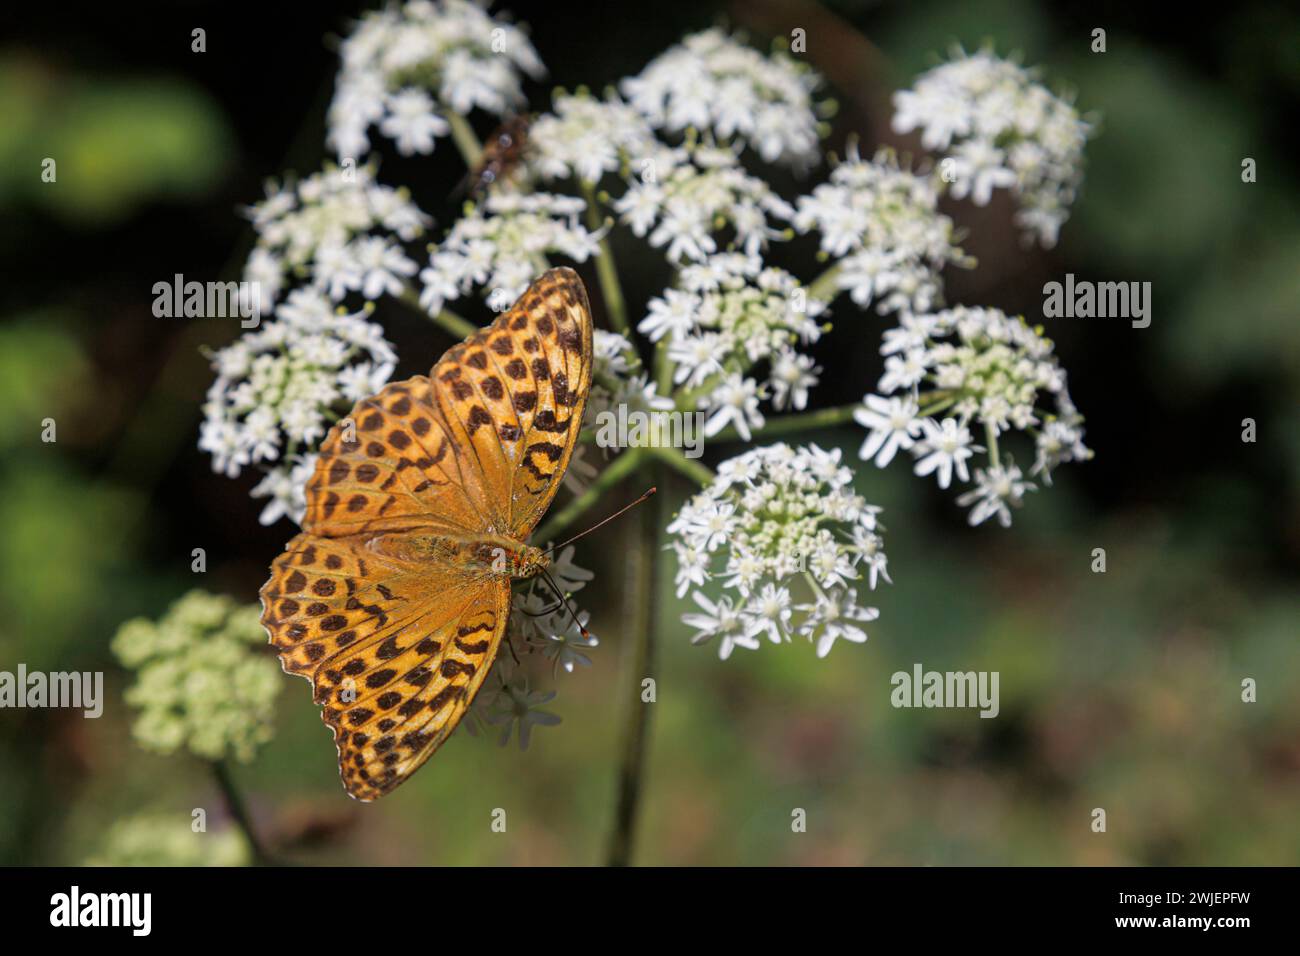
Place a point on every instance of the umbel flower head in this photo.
(163, 839)
(405, 67)
(883, 224)
(584, 138)
(279, 388)
(203, 680)
(334, 231)
(501, 246)
(999, 127)
(964, 367)
(714, 83)
(777, 524)
(682, 198)
(730, 318)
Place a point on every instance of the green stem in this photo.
(826, 286)
(239, 812)
(454, 324)
(606, 271)
(823, 418)
(992, 437)
(463, 134)
(673, 458)
(621, 467)
(642, 582)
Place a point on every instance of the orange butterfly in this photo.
(394, 599)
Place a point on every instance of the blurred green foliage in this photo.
(115, 142)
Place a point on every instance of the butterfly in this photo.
(394, 599)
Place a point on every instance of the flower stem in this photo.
(239, 812)
(640, 593)
(826, 286)
(621, 467)
(606, 271)
(673, 458)
(822, 418)
(993, 444)
(457, 326)
(463, 134)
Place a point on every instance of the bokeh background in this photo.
(1119, 690)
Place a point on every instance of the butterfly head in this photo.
(530, 562)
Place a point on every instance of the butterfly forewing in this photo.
(514, 394)
(397, 638)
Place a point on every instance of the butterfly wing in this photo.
(395, 650)
(513, 394)
(393, 463)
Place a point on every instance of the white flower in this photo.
(836, 615)
(713, 83)
(997, 490)
(412, 123)
(516, 704)
(719, 620)
(734, 401)
(404, 67)
(1000, 129)
(768, 613)
(892, 424)
(943, 450)
(777, 520)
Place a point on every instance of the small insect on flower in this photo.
(503, 155)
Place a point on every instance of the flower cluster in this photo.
(501, 245)
(584, 138)
(334, 230)
(999, 127)
(779, 520)
(683, 196)
(713, 82)
(405, 67)
(201, 680)
(161, 839)
(729, 316)
(883, 224)
(972, 366)
(279, 388)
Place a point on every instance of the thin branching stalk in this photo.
(560, 521)
(784, 425)
(466, 141)
(606, 270)
(238, 811)
(641, 584)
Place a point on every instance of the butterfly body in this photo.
(486, 555)
(394, 600)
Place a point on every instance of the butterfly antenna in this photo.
(603, 521)
(586, 634)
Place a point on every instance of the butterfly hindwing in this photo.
(395, 652)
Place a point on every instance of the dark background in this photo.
(1119, 690)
